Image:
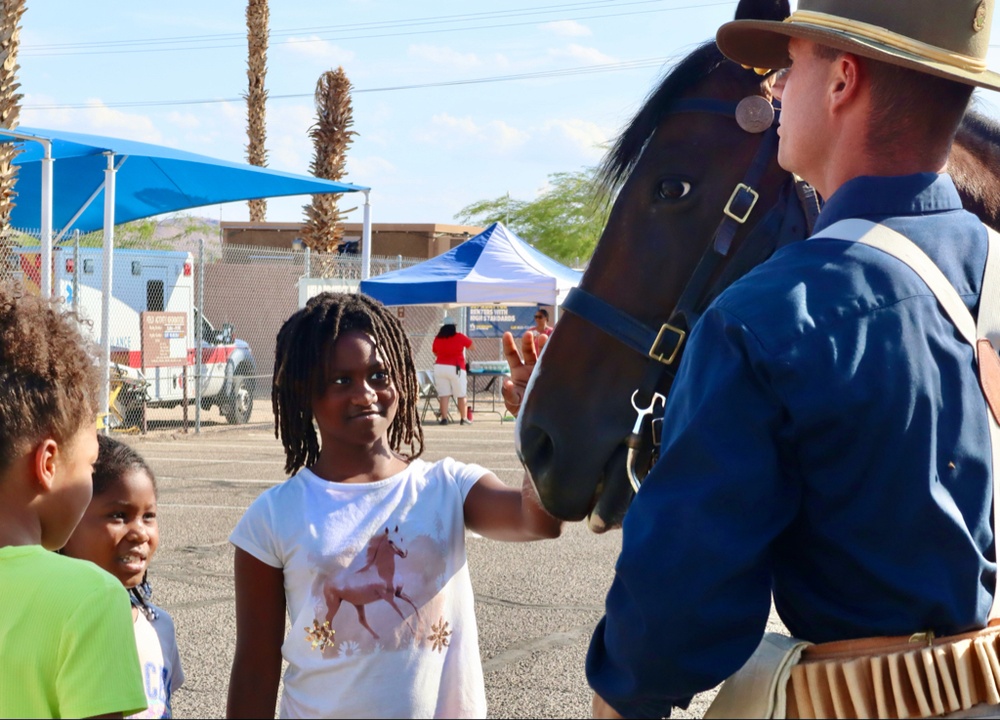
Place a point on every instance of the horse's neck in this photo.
(974, 165)
(372, 552)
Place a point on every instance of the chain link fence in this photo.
(156, 323)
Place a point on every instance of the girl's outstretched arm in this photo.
(260, 630)
(500, 512)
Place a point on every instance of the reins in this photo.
(664, 345)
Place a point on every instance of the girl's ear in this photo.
(44, 460)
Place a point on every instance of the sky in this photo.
(453, 101)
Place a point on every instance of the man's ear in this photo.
(848, 72)
(44, 461)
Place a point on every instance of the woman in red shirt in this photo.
(450, 376)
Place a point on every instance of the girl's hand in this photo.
(521, 362)
(500, 512)
(260, 631)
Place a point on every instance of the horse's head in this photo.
(679, 165)
(394, 540)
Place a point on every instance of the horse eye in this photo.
(674, 189)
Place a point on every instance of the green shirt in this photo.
(67, 647)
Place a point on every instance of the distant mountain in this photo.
(175, 232)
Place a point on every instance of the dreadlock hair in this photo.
(115, 460)
(300, 367)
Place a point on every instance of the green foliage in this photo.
(565, 221)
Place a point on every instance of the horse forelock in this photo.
(631, 142)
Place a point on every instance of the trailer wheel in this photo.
(238, 405)
(127, 410)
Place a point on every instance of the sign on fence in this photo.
(492, 321)
(164, 339)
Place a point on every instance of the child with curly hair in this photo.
(66, 642)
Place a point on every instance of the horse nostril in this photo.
(537, 451)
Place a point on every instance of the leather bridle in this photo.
(663, 345)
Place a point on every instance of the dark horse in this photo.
(667, 250)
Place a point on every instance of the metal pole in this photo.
(198, 339)
(46, 233)
(106, 283)
(366, 238)
(76, 271)
(308, 263)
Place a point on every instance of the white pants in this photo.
(449, 380)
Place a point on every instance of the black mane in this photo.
(982, 126)
(627, 150)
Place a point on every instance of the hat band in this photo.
(887, 37)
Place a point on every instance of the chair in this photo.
(428, 393)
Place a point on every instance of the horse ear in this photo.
(763, 10)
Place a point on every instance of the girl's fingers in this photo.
(510, 351)
(511, 396)
(529, 348)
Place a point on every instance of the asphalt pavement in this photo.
(536, 603)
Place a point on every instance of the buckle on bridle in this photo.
(661, 355)
(742, 194)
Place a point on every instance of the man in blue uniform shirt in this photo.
(826, 437)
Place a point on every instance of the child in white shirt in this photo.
(119, 533)
(365, 545)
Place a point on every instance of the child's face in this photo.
(360, 401)
(119, 532)
(72, 486)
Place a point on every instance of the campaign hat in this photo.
(946, 38)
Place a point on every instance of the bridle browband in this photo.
(664, 344)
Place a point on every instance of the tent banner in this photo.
(492, 321)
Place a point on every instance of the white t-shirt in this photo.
(159, 661)
(384, 563)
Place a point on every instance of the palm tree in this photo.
(10, 111)
(331, 136)
(256, 95)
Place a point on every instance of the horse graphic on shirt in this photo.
(369, 577)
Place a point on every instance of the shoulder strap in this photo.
(982, 334)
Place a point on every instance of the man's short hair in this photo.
(49, 382)
(907, 105)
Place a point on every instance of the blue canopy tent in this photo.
(495, 266)
(61, 175)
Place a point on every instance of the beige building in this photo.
(411, 240)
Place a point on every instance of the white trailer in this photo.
(155, 281)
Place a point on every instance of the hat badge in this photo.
(979, 22)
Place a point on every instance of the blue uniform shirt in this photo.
(825, 440)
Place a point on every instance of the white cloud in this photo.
(96, 118)
(187, 121)
(289, 146)
(493, 137)
(588, 55)
(566, 28)
(371, 170)
(444, 56)
(315, 48)
(575, 135)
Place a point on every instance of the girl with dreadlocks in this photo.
(364, 546)
(119, 533)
